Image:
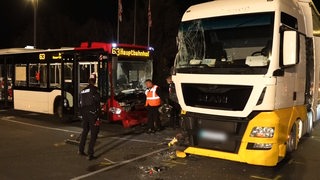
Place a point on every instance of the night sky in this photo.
(63, 22)
(17, 18)
(17, 15)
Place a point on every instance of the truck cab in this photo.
(247, 78)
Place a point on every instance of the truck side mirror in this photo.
(290, 48)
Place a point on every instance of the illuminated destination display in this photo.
(130, 52)
(42, 56)
(59, 56)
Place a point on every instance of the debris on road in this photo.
(72, 141)
(173, 142)
(165, 156)
(181, 154)
(150, 170)
(160, 163)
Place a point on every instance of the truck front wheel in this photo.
(292, 140)
(310, 123)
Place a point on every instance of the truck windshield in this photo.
(237, 44)
(131, 76)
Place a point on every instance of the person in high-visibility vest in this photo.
(153, 102)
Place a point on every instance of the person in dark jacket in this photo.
(173, 102)
(90, 111)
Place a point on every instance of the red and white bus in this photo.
(49, 81)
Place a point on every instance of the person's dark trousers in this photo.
(88, 124)
(174, 118)
(174, 114)
(153, 117)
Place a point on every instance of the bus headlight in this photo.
(115, 110)
(65, 103)
(262, 132)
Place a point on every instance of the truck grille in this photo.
(233, 128)
(223, 97)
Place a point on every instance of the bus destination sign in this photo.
(130, 52)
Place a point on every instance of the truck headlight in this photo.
(115, 110)
(262, 132)
(259, 146)
(262, 146)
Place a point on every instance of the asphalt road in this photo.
(34, 146)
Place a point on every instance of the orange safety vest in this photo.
(153, 99)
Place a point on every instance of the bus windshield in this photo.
(131, 76)
(237, 44)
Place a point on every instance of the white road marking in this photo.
(119, 164)
(9, 119)
(263, 178)
(39, 126)
(109, 160)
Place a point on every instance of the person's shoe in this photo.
(149, 131)
(160, 128)
(91, 157)
(82, 153)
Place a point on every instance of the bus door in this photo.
(75, 75)
(85, 69)
(6, 75)
(68, 80)
(104, 84)
(93, 66)
(75, 70)
(103, 78)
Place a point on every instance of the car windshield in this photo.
(238, 44)
(131, 76)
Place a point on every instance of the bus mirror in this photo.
(290, 48)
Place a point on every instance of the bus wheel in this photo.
(58, 109)
(292, 141)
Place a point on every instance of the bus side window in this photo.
(38, 75)
(21, 75)
(55, 75)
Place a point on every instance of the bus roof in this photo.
(10, 51)
(107, 47)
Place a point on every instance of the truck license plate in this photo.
(213, 135)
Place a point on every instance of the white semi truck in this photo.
(247, 78)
